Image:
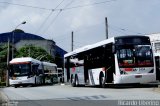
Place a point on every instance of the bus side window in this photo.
(35, 69)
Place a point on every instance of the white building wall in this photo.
(155, 40)
(47, 45)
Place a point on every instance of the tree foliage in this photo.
(3, 53)
(3, 61)
(34, 52)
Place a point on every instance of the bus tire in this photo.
(35, 82)
(73, 81)
(15, 86)
(76, 81)
(52, 81)
(44, 81)
(102, 80)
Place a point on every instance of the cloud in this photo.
(88, 23)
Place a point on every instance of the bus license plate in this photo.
(19, 82)
(138, 76)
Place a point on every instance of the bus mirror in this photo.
(113, 49)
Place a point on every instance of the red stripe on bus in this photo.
(128, 69)
(20, 63)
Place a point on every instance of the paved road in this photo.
(58, 94)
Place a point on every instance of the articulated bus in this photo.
(118, 60)
(50, 72)
(28, 71)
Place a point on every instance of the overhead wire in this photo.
(44, 22)
(90, 4)
(54, 19)
(117, 30)
(65, 8)
(51, 9)
(122, 30)
(49, 16)
(55, 9)
(22, 5)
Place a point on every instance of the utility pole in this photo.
(7, 73)
(13, 43)
(106, 22)
(72, 42)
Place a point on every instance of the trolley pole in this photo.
(106, 23)
(72, 42)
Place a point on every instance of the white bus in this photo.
(118, 60)
(50, 72)
(157, 61)
(28, 71)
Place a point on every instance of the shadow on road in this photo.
(30, 86)
(124, 86)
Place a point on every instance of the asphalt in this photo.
(3, 98)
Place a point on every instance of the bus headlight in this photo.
(122, 72)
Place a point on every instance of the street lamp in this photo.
(24, 22)
(8, 53)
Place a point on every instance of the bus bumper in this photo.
(21, 81)
(137, 78)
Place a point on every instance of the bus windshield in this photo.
(135, 56)
(20, 69)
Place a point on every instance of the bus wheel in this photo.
(102, 81)
(51, 80)
(15, 86)
(35, 83)
(43, 81)
(73, 82)
(76, 81)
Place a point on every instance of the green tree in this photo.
(3, 53)
(34, 52)
(3, 61)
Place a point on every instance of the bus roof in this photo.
(103, 42)
(88, 47)
(49, 64)
(23, 59)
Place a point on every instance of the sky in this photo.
(56, 19)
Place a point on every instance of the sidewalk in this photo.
(3, 98)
